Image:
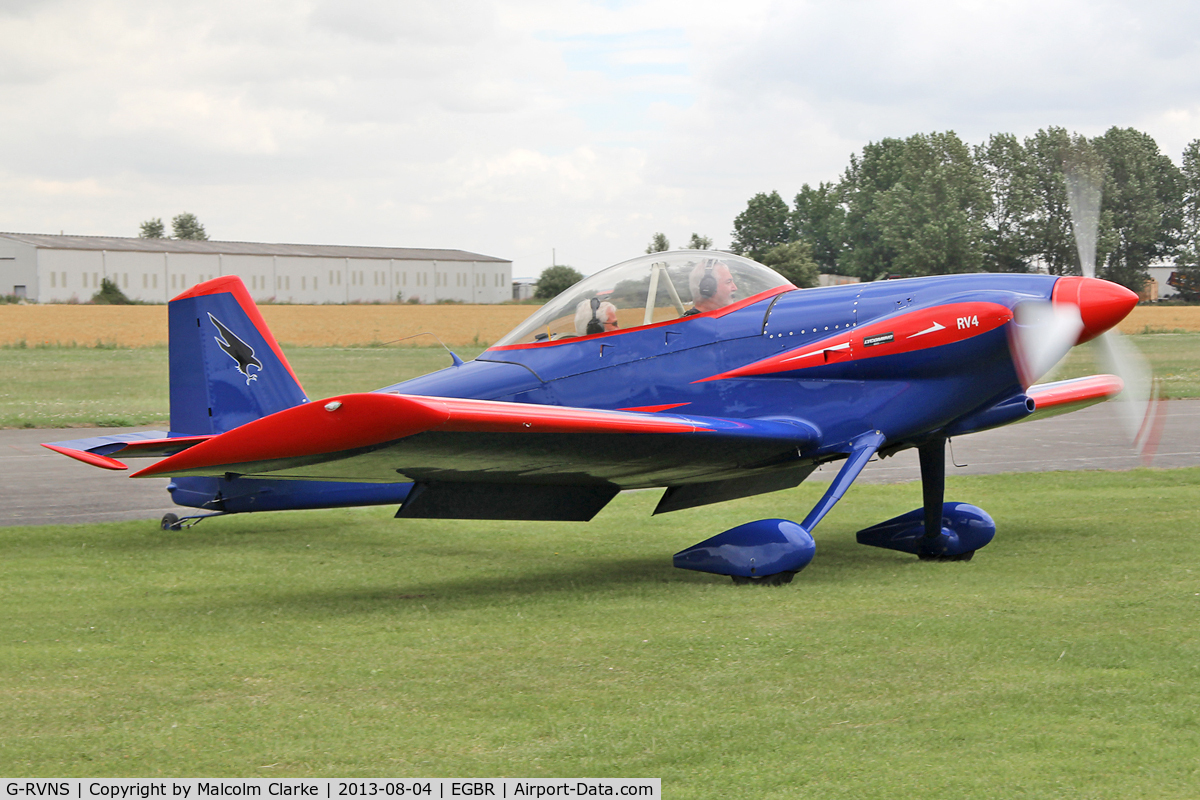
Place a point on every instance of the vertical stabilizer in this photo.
(226, 367)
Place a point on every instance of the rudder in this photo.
(226, 368)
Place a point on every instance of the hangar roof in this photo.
(119, 243)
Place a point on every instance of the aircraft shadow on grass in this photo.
(840, 559)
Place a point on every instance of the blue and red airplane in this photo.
(703, 373)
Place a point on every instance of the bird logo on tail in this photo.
(238, 350)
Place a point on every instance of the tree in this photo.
(793, 261)
(658, 244)
(819, 218)
(1008, 236)
(110, 294)
(1142, 205)
(153, 229)
(933, 219)
(1187, 257)
(761, 226)
(863, 182)
(698, 242)
(186, 226)
(1189, 244)
(555, 280)
(1052, 242)
(916, 208)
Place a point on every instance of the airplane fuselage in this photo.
(903, 357)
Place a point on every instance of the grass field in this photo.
(1174, 357)
(50, 387)
(54, 387)
(1064, 661)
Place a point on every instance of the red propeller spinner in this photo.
(1102, 304)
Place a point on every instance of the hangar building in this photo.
(49, 269)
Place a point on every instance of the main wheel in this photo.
(170, 522)
(778, 579)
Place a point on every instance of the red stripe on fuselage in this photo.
(654, 409)
(918, 330)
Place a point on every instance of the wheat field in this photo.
(359, 325)
(300, 326)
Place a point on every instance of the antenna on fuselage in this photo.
(458, 362)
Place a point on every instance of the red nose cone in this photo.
(1102, 304)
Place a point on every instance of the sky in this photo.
(534, 130)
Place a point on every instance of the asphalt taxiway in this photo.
(40, 487)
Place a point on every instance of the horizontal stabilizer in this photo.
(98, 450)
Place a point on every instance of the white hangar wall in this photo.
(64, 268)
(18, 266)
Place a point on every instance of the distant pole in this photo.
(553, 258)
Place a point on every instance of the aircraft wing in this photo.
(390, 437)
(1062, 397)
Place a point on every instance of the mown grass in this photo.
(1064, 661)
(1174, 357)
(50, 387)
(54, 387)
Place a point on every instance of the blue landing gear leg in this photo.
(934, 546)
(771, 551)
(938, 531)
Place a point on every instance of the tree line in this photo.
(183, 226)
(932, 204)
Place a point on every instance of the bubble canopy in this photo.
(658, 287)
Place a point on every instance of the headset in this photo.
(594, 324)
(708, 284)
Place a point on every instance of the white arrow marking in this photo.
(934, 328)
(842, 346)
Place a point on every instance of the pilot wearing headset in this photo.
(712, 286)
(595, 316)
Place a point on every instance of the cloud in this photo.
(973, 66)
(517, 126)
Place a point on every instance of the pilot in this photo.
(712, 286)
(595, 316)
